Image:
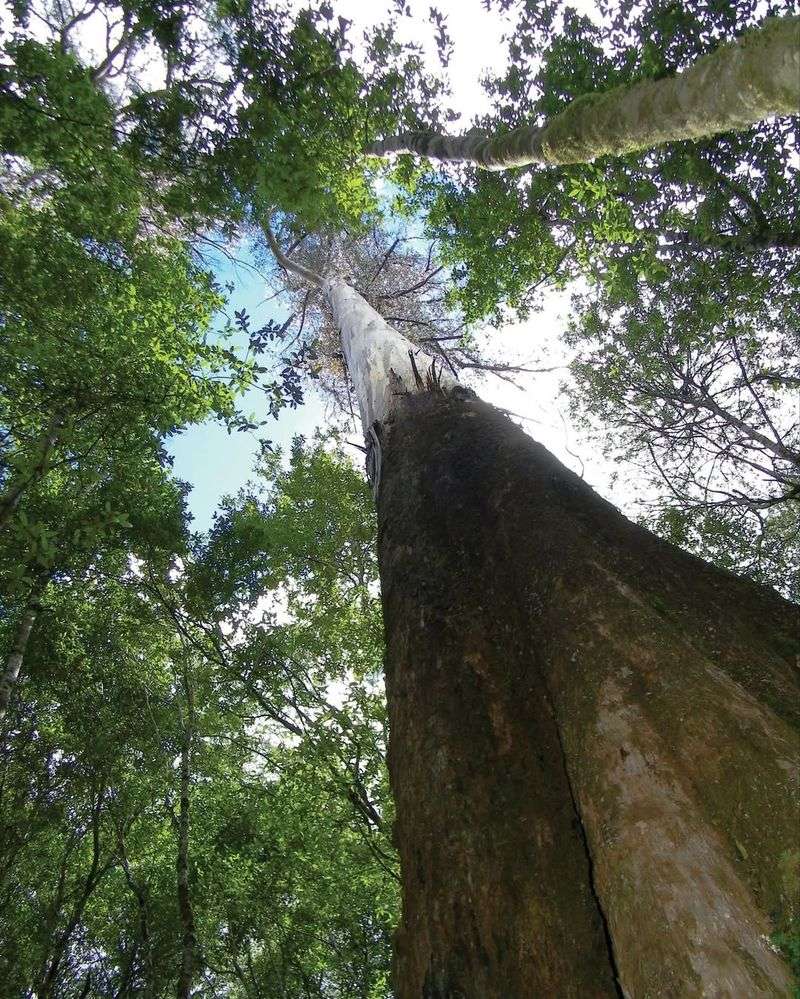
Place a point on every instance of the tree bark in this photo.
(593, 734)
(381, 362)
(737, 85)
(22, 635)
(185, 908)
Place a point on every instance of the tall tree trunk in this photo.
(593, 734)
(22, 635)
(186, 911)
(381, 362)
(141, 944)
(735, 86)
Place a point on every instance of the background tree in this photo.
(738, 84)
(698, 392)
(689, 237)
(288, 866)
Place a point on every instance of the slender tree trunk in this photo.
(141, 945)
(22, 635)
(735, 86)
(593, 735)
(189, 937)
(16, 490)
(97, 872)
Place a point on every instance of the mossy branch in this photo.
(737, 85)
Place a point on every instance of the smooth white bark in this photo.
(382, 363)
(13, 665)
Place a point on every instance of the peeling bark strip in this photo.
(737, 85)
(540, 647)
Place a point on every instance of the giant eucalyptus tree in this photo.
(552, 672)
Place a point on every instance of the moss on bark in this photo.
(731, 88)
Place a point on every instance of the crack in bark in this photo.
(374, 458)
(609, 940)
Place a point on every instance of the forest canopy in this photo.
(194, 797)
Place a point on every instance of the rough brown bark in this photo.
(593, 734)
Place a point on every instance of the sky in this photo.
(213, 461)
(216, 463)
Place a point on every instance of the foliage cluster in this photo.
(273, 622)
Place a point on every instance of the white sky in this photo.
(476, 37)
